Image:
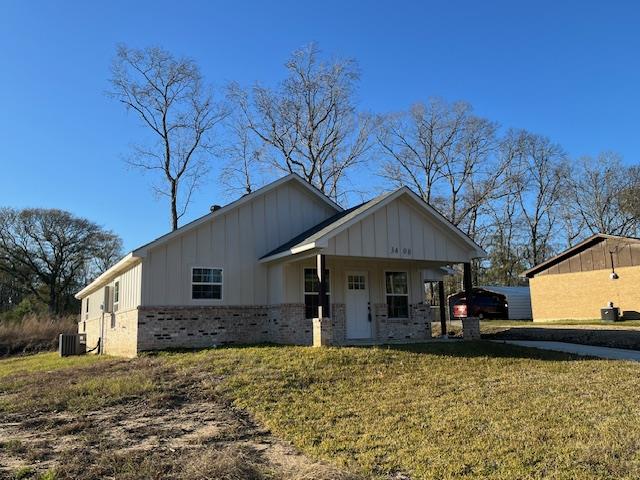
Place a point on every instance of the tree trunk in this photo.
(174, 205)
(53, 300)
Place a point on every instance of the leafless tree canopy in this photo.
(51, 253)
(447, 155)
(600, 194)
(169, 96)
(514, 192)
(245, 158)
(309, 122)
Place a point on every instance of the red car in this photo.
(485, 304)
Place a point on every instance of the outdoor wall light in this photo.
(613, 275)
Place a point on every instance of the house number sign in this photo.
(401, 251)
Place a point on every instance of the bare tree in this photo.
(599, 193)
(507, 242)
(470, 172)
(309, 122)
(447, 155)
(169, 97)
(542, 177)
(48, 252)
(415, 143)
(245, 159)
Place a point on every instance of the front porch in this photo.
(360, 301)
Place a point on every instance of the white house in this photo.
(248, 273)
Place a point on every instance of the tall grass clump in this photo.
(34, 333)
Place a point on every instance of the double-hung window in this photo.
(206, 283)
(397, 287)
(116, 296)
(311, 292)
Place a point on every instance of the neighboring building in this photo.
(518, 300)
(580, 281)
(247, 273)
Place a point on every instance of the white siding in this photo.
(234, 242)
(399, 230)
(130, 293)
(338, 269)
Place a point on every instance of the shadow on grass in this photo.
(470, 349)
(475, 349)
(629, 339)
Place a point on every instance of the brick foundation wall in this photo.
(92, 328)
(121, 339)
(201, 327)
(416, 328)
(287, 325)
(159, 328)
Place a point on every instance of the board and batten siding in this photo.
(401, 230)
(130, 293)
(626, 253)
(233, 241)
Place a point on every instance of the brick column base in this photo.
(471, 328)
(322, 332)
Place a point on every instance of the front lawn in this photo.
(442, 410)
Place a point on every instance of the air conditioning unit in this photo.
(74, 344)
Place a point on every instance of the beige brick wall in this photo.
(159, 328)
(582, 295)
(92, 328)
(416, 328)
(121, 340)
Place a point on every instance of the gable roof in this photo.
(133, 256)
(318, 236)
(292, 177)
(570, 252)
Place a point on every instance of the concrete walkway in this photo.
(577, 349)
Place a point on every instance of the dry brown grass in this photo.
(34, 333)
(90, 417)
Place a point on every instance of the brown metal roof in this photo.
(576, 249)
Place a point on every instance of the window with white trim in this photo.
(116, 295)
(206, 283)
(311, 292)
(397, 288)
(356, 282)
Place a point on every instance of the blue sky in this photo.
(569, 70)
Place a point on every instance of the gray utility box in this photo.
(610, 314)
(75, 344)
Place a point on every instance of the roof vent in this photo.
(215, 208)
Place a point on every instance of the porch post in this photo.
(467, 284)
(443, 308)
(322, 285)
(470, 325)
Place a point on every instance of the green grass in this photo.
(44, 362)
(440, 411)
(30, 382)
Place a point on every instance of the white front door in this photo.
(357, 302)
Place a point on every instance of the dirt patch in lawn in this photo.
(137, 419)
(602, 336)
